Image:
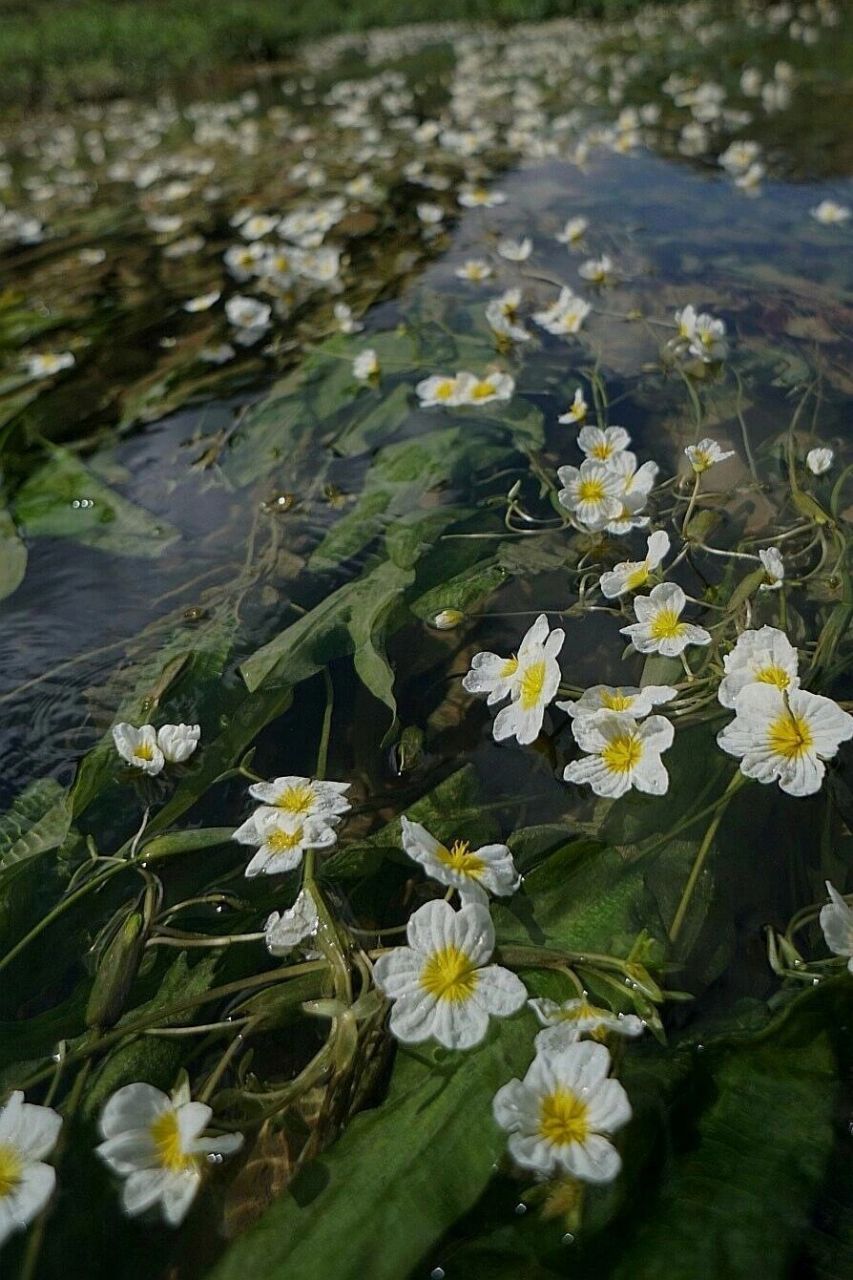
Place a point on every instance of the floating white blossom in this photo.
(592, 493)
(785, 736)
(282, 839)
(365, 366)
(566, 1023)
(630, 575)
(603, 444)
(706, 454)
(578, 409)
(765, 656)
(836, 921)
(28, 1134)
(286, 930)
(622, 753)
(830, 213)
(774, 569)
(470, 871)
(659, 628)
(623, 698)
(819, 461)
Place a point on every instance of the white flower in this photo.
(705, 454)
(785, 736)
(473, 390)
(598, 270)
(836, 921)
(708, 340)
(475, 270)
(45, 366)
(177, 742)
(282, 839)
(559, 1116)
(591, 492)
(659, 628)
(470, 871)
(573, 231)
(249, 317)
(346, 321)
(602, 445)
(632, 701)
(577, 411)
(303, 797)
(830, 213)
(765, 656)
(533, 687)
(430, 214)
(257, 225)
(630, 575)
(502, 316)
(497, 676)
(155, 1143)
(819, 460)
(739, 155)
(480, 198)
(774, 568)
(636, 483)
(515, 250)
(28, 1133)
(203, 302)
(217, 355)
(447, 619)
(440, 389)
(441, 984)
(365, 365)
(565, 316)
(286, 930)
(243, 260)
(622, 753)
(139, 747)
(751, 180)
(565, 1023)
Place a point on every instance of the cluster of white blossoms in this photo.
(151, 749)
(780, 732)
(565, 316)
(464, 389)
(294, 814)
(608, 491)
(701, 335)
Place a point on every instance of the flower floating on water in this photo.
(830, 213)
(515, 250)
(438, 390)
(282, 839)
(573, 231)
(286, 930)
(250, 318)
(631, 701)
(470, 871)
(447, 619)
(365, 366)
(28, 1134)
(630, 575)
(51, 362)
(636, 483)
(577, 411)
(470, 389)
(345, 319)
(819, 461)
(475, 270)
(566, 1023)
(785, 736)
(597, 270)
(303, 797)
(622, 753)
(591, 492)
(707, 453)
(561, 1115)
(836, 921)
(502, 316)
(603, 444)
(442, 985)
(151, 749)
(565, 316)
(702, 334)
(480, 198)
(155, 1144)
(659, 628)
(764, 657)
(774, 569)
(203, 302)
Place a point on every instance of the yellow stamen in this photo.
(482, 390)
(602, 451)
(509, 667)
(591, 490)
(563, 1118)
(445, 389)
(617, 701)
(449, 975)
(296, 799)
(773, 674)
(532, 683)
(144, 751)
(459, 858)
(167, 1139)
(623, 754)
(790, 736)
(638, 577)
(281, 841)
(11, 1168)
(666, 625)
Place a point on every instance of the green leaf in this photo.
(45, 507)
(39, 819)
(399, 1176)
(13, 555)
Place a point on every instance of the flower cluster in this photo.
(294, 814)
(608, 491)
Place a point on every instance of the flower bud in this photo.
(447, 619)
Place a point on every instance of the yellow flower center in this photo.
(281, 841)
(773, 674)
(623, 754)
(449, 975)
(531, 685)
(666, 625)
(482, 390)
(591, 490)
(445, 389)
(637, 577)
(144, 751)
(509, 667)
(167, 1139)
(563, 1118)
(296, 799)
(459, 858)
(790, 736)
(11, 1168)
(602, 451)
(617, 701)
(701, 461)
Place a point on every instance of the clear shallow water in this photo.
(87, 636)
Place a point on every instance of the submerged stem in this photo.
(701, 854)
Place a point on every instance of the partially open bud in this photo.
(447, 619)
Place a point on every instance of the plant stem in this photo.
(323, 749)
(701, 854)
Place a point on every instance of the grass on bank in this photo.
(58, 50)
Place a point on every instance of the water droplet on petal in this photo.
(568, 1238)
(437, 1273)
(520, 1209)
